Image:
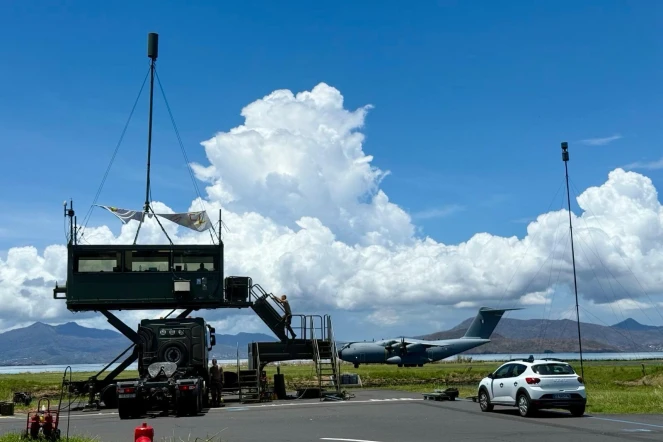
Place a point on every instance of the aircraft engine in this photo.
(415, 348)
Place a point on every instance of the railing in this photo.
(260, 289)
(316, 355)
(318, 327)
(334, 355)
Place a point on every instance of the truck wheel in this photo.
(109, 396)
(205, 397)
(123, 412)
(180, 407)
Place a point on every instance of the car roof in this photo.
(532, 361)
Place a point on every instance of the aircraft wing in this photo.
(409, 341)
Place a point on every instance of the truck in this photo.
(173, 368)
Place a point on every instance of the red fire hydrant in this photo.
(144, 433)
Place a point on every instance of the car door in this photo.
(512, 383)
(499, 381)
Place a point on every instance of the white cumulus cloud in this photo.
(307, 217)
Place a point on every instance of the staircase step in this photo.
(269, 316)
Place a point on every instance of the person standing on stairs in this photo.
(287, 317)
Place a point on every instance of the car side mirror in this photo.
(491, 375)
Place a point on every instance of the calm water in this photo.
(569, 356)
(231, 362)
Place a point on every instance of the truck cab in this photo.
(173, 368)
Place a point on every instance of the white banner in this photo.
(192, 220)
(124, 214)
(198, 221)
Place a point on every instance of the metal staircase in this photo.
(313, 341)
(325, 358)
(249, 380)
(266, 311)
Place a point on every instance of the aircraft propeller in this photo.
(402, 345)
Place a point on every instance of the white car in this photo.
(533, 384)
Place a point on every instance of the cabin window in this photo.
(95, 262)
(147, 261)
(194, 262)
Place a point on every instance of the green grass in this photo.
(612, 386)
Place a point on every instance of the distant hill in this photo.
(633, 325)
(561, 335)
(70, 343)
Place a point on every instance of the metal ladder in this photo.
(335, 361)
(249, 380)
(326, 361)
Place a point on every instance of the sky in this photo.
(396, 167)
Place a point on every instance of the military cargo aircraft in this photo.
(416, 352)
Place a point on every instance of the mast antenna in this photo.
(152, 53)
(565, 158)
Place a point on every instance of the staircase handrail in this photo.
(334, 355)
(322, 325)
(316, 354)
(263, 293)
(257, 367)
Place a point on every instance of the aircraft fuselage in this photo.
(413, 354)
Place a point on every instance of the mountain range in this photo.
(70, 343)
(561, 335)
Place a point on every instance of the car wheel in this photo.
(484, 401)
(577, 411)
(524, 405)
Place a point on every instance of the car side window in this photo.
(518, 369)
(503, 372)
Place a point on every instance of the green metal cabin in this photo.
(138, 277)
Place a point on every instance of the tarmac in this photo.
(371, 416)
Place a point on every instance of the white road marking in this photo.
(349, 440)
(625, 421)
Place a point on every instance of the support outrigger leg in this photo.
(185, 313)
(94, 385)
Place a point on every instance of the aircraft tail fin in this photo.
(485, 322)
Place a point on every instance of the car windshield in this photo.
(552, 369)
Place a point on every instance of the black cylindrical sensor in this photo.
(565, 151)
(153, 45)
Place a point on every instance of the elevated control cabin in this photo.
(137, 277)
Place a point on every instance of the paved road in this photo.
(380, 416)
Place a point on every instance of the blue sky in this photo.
(471, 99)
